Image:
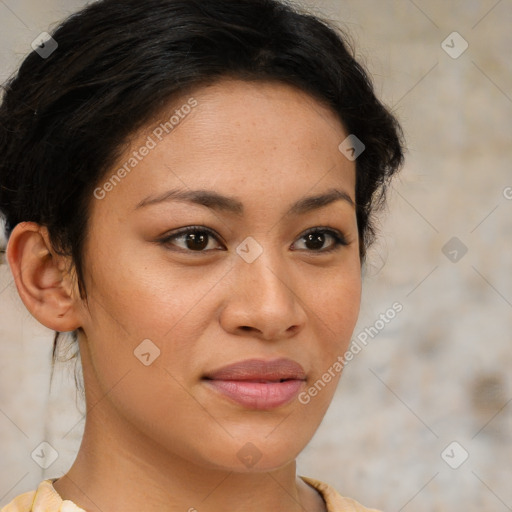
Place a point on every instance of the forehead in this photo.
(274, 115)
(238, 137)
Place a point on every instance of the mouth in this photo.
(258, 384)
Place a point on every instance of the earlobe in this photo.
(42, 279)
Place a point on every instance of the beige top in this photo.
(46, 499)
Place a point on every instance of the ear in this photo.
(42, 278)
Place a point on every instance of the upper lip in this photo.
(259, 369)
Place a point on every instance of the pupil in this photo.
(317, 240)
(200, 241)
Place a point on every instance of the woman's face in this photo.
(262, 278)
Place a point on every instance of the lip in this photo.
(258, 384)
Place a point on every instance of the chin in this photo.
(256, 456)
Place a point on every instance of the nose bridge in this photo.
(262, 297)
(263, 269)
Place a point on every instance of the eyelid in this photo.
(338, 236)
(165, 239)
(326, 229)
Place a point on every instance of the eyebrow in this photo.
(216, 201)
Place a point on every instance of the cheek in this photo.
(147, 312)
(147, 296)
(346, 307)
(334, 315)
(337, 303)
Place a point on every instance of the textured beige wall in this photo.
(436, 374)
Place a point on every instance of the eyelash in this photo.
(338, 237)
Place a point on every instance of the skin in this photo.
(157, 432)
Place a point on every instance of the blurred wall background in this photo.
(422, 419)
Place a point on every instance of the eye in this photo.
(315, 238)
(197, 239)
(194, 238)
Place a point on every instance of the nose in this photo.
(263, 301)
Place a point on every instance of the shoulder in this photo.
(334, 501)
(44, 499)
(22, 503)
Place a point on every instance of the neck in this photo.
(119, 469)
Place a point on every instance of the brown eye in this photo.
(194, 239)
(317, 237)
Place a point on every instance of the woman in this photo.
(188, 189)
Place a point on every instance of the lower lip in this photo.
(258, 395)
